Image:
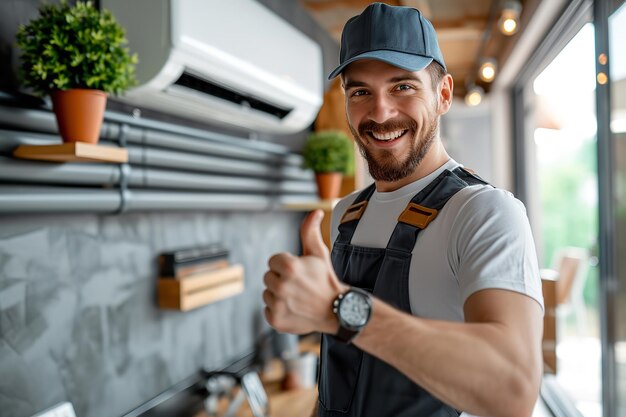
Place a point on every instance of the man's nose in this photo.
(382, 109)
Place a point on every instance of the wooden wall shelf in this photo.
(326, 205)
(72, 152)
(200, 289)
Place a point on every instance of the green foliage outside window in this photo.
(569, 216)
(77, 46)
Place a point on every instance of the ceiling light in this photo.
(474, 96)
(509, 20)
(487, 71)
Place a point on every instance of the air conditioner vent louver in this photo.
(206, 87)
(242, 65)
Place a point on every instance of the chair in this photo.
(572, 264)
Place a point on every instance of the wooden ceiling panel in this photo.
(460, 53)
(459, 9)
(333, 19)
(358, 5)
(464, 28)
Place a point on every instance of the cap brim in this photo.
(408, 62)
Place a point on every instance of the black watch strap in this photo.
(345, 335)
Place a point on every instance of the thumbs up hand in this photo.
(311, 236)
(300, 290)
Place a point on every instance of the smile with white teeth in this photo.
(389, 135)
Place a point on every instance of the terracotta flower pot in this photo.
(79, 114)
(328, 184)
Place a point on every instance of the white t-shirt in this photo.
(480, 239)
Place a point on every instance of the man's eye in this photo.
(358, 93)
(404, 87)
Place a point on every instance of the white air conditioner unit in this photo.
(232, 62)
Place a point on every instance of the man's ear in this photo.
(445, 90)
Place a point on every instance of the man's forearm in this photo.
(474, 367)
(315, 409)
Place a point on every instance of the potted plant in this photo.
(330, 155)
(76, 54)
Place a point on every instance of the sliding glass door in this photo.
(570, 142)
(563, 198)
(617, 137)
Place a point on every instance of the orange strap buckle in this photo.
(418, 216)
(354, 212)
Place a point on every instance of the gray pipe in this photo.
(28, 119)
(151, 200)
(27, 199)
(207, 135)
(109, 175)
(233, 149)
(156, 178)
(32, 199)
(11, 139)
(55, 173)
(142, 155)
(258, 175)
(151, 132)
(204, 163)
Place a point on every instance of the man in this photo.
(431, 303)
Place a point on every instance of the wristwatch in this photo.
(353, 309)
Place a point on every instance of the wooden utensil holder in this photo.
(197, 290)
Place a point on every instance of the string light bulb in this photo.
(487, 71)
(474, 95)
(509, 19)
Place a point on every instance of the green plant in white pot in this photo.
(76, 54)
(330, 155)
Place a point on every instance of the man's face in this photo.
(393, 115)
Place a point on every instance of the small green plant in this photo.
(77, 46)
(329, 151)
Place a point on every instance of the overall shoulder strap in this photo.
(469, 176)
(424, 207)
(352, 215)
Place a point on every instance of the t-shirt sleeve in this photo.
(492, 246)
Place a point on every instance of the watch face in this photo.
(354, 309)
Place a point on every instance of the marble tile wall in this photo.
(78, 316)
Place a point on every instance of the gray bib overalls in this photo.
(352, 382)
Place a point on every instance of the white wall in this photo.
(467, 135)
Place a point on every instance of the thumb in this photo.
(311, 235)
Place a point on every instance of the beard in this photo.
(386, 166)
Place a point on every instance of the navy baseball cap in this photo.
(399, 36)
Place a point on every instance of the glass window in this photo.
(563, 185)
(617, 63)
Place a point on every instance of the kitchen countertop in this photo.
(282, 403)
